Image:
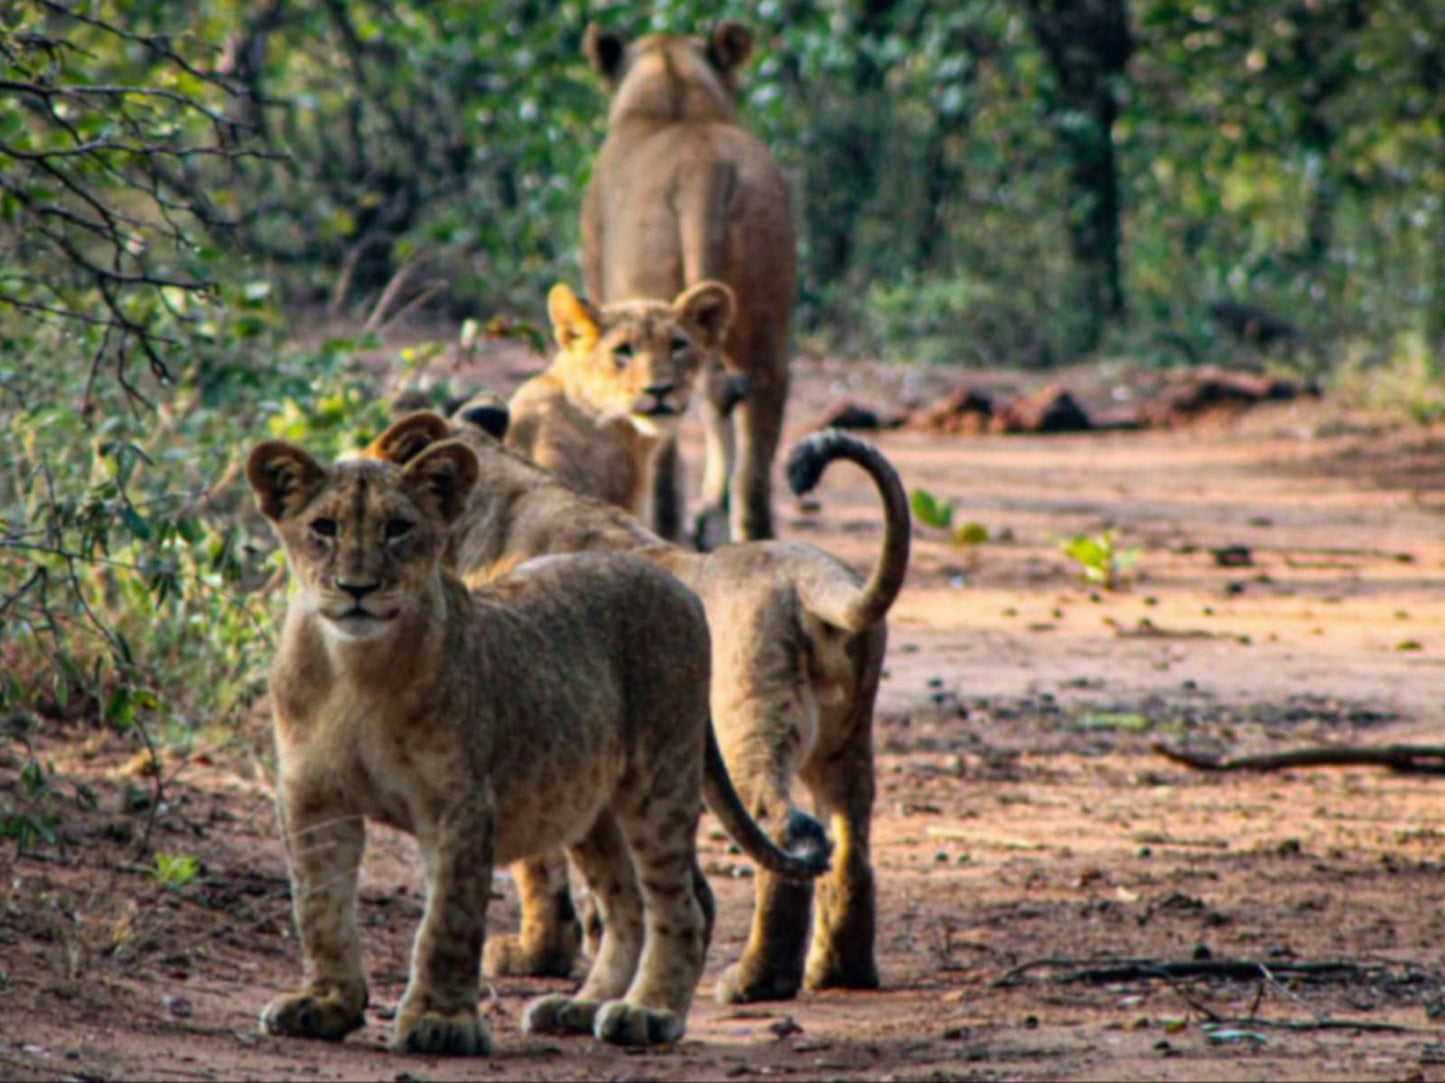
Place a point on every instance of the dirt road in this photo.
(1022, 816)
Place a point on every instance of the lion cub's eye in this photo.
(679, 344)
(622, 353)
(325, 527)
(396, 528)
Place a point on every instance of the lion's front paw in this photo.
(744, 983)
(513, 957)
(329, 1016)
(559, 1015)
(622, 1023)
(458, 1034)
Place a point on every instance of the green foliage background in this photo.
(185, 186)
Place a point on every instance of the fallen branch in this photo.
(1142, 969)
(1323, 1023)
(1411, 759)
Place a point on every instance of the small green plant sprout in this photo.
(1100, 561)
(175, 871)
(936, 513)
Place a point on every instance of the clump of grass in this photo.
(1406, 378)
(1100, 560)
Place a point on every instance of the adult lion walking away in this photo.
(681, 193)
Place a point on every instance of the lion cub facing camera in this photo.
(492, 723)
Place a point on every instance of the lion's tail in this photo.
(843, 605)
(808, 848)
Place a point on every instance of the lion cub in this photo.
(625, 370)
(798, 641)
(492, 723)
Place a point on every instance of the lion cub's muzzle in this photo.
(659, 401)
(357, 610)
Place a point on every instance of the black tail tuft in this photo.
(491, 418)
(811, 456)
(806, 840)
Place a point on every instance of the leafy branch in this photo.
(88, 186)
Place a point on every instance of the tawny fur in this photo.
(680, 193)
(798, 644)
(492, 722)
(626, 369)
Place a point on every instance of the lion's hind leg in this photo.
(604, 862)
(759, 758)
(710, 526)
(664, 854)
(758, 423)
(548, 942)
(844, 911)
(771, 967)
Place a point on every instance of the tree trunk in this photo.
(1087, 44)
(850, 145)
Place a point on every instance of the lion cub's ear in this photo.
(404, 440)
(605, 50)
(283, 477)
(729, 45)
(441, 478)
(708, 308)
(574, 321)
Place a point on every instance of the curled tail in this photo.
(808, 846)
(851, 608)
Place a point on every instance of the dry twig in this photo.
(1120, 970)
(1412, 759)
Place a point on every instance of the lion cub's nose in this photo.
(657, 391)
(358, 590)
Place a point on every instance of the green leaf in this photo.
(134, 523)
(930, 510)
(120, 709)
(969, 534)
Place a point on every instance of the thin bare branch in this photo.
(1412, 759)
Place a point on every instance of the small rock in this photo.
(1050, 409)
(844, 414)
(1211, 390)
(1233, 556)
(784, 1027)
(180, 1007)
(962, 412)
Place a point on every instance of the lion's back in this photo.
(628, 609)
(652, 185)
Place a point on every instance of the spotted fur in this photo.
(492, 722)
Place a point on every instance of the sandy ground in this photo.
(1022, 817)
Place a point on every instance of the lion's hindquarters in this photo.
(639, 856)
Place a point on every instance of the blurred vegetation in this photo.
(187, 189)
